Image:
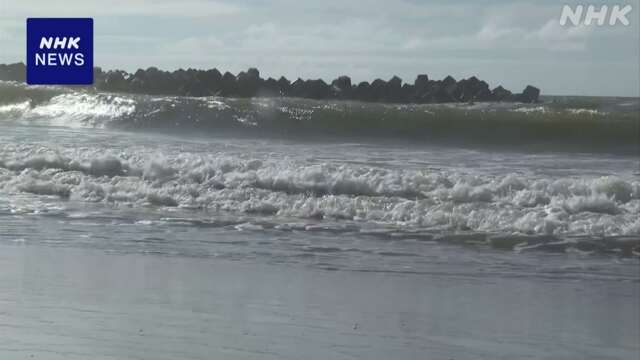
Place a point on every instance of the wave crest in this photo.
(555, 125)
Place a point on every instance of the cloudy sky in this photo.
(513, 43)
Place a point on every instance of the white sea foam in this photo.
(285, 189)
(592, 112)
(529, 110)
(15, 109)
(74, 109)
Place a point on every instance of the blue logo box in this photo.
(60, 51)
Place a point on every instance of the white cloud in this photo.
(556, 37)
(194, 46)
(93, 8)
(548, 37)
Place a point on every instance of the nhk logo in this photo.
(615, 15)
(60, 51)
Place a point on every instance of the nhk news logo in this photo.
(60, 51)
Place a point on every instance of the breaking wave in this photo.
(584, 124)
(597, 213)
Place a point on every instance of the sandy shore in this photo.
(60, 303)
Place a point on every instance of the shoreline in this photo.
(149, 306)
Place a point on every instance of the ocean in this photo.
(135, 226)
